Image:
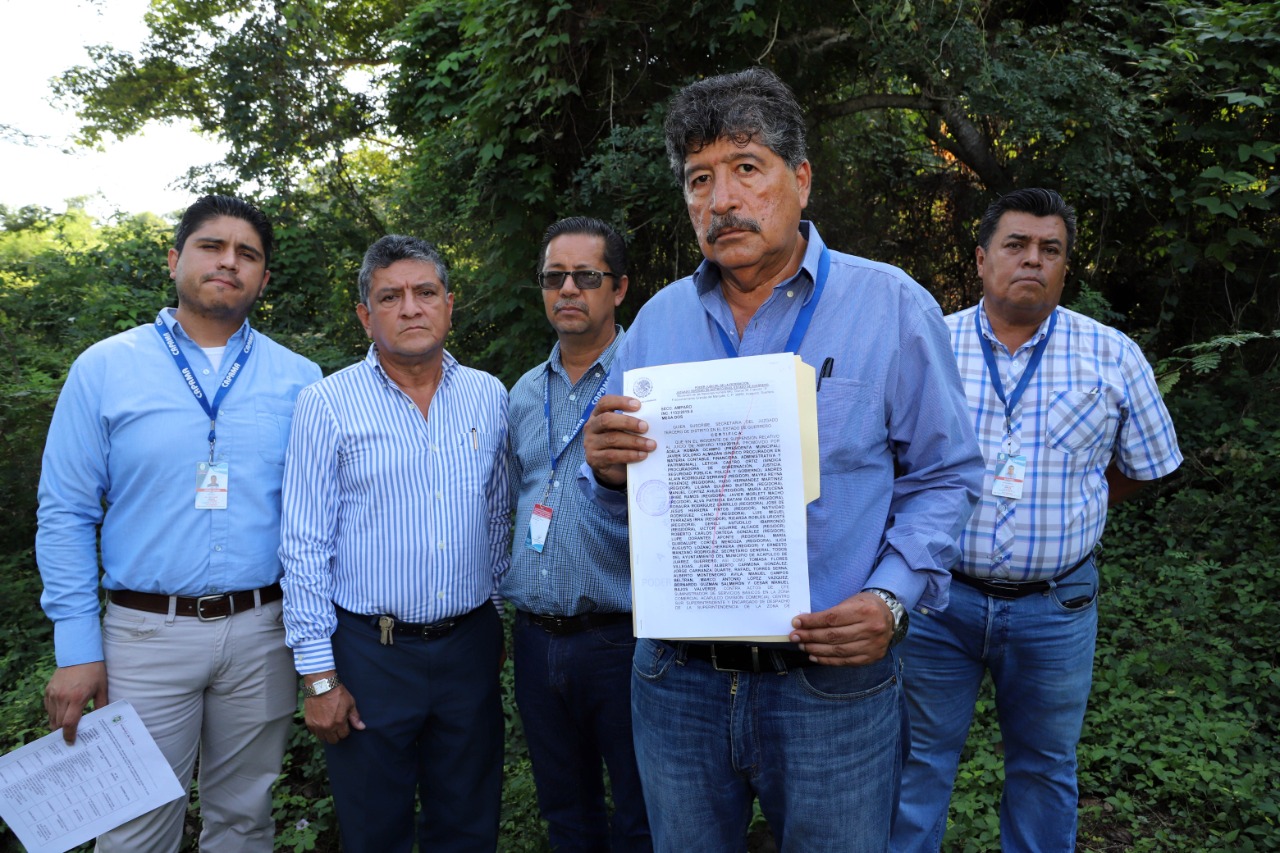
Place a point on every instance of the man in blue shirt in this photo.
(814, 728)
(570, 574)
(1068, 415)
(179, 428)
(396, 532)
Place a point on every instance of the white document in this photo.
(719, 545)
(55, 796)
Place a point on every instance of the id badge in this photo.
(539, 524)
(1010, 472)
(212, 481)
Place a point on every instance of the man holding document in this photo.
(812, 727)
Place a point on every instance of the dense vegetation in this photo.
(477, 122)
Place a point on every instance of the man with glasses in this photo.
(570, 572)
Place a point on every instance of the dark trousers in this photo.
(574, 695)
(433, 716)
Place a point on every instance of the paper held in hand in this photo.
(55, 796)
(717, 512)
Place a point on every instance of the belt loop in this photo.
(257, 600)
(173, 610)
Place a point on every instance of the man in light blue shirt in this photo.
(1068, 415)
(814, 728)
(396, 532)
(179, 429)
(570, 577)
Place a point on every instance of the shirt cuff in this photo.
(77, 640)
(313, 656)
(893, 574)
(612, 501)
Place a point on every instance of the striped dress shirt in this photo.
(1092, 400)
(387, 512)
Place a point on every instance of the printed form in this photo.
(55, 796)
(719, 546)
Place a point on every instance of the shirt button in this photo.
(205, 371)
(440, 545)
(573, 396)
(555, 483)
(564, 438)
(440, 595)
(790, 293)
(544, 573)
(217, 547)
(597, 374)
(439, 496)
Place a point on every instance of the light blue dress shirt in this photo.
(390, 513)
(585, 566)
(1092, 400)
(899, 463)
(122, 451)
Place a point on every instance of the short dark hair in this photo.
(615, 248)
(211, 206)
(397, 247)
(750, 106)
(1033, 200)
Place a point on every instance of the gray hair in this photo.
(397, 247)
(750, 106)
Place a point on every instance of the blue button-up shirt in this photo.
(1092, 400)
(127, 431)
(388, 512)
(584, 566)
(899, 463)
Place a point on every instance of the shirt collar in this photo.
(984, 323)
(707, 275)
(170, 320)
(604, 360)
(372, 362)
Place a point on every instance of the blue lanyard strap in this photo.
(586, 413)
(994, 372)
(184, 367)
(802, 319)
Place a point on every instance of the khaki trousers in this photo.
(224, 690)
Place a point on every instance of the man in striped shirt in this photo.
(396, 531)
(1068, 415)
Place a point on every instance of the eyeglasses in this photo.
(582, 279)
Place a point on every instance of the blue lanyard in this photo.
(994, 372)
(184, 367)
(802, 319)
(586, 413)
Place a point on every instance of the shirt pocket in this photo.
(1081, 420)
(851, 424)
(274, 416)
(477, 450)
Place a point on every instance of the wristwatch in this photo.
(321, 686)
(900, 618)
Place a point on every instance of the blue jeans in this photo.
(433, 728)
(1040, 656)
(820, 746)
(574, 695)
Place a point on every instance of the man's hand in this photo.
(69, 690)
(332, 715)
(855, 632)
(612, 439)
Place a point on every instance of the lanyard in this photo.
(802, 319)
(586, 413)
(994, 372)
(184, 367)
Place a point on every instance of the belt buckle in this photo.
(755, 661)
(200, 608)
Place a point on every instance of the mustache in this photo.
(570, 303)
(730, 221)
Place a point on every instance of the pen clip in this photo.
(828, 364)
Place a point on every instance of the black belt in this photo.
(1008, 589)
(423, 630)
(561, 625)
(739, 657)
(206, 608)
